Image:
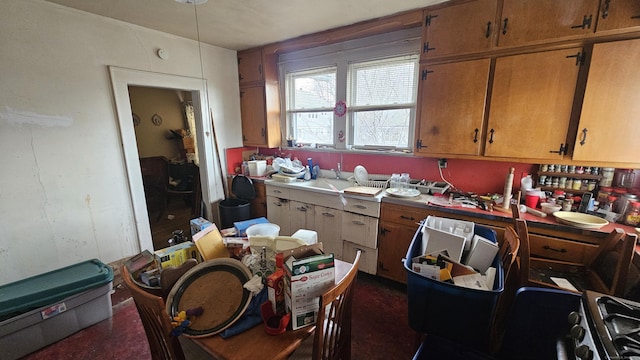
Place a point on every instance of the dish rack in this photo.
(429, 187)
(376, 181)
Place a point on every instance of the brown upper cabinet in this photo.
(527, 22)
(259, 99)
(452, 106)
(531, 104)
(250, 66)
(609, 125)
(619, 14)
(458, 29)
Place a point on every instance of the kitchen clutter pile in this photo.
(280, 277)
(452, 252)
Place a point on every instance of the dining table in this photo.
(255, 343)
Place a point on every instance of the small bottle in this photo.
(307, 173)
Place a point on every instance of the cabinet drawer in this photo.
(278, 191)
(363, 207)
(403, 215)
(310, 197)
(560, 249)
(360, 229)
(368, 256)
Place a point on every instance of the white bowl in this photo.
(548, 208)
(264, 229)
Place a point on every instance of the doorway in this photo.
(121, 79)
(165, 131)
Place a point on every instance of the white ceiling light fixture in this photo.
(191, 2)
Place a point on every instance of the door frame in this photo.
(121, 79)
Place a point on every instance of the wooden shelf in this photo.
(570, 175)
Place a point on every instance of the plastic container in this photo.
(266, 229)
(257, 168)
(40, 310)
(461, 314)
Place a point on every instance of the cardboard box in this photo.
(176, 255)
(305, 280)
(210, 244)
(199, 224)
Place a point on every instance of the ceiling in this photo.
(242, 24)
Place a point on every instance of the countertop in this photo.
(548, 222)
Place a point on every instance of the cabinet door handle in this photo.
(262, 132)
(277, 203)
(586, 23)
(277, 191)
(301, 208)
(605, 8)
(635, 17)
(547, 247)
(328, 214)
(505, 22)
(491, 137)
(475, 136)
(579, 58)
(488, 33)
(359, 249)
(260, 69)
(584, 136)
(357, 222)
(426, 48)
(407, 217)
(359, 206)
(562, 151)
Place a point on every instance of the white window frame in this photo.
(393, 44)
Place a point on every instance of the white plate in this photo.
(361, 174)
(580, 220)
(403, 192)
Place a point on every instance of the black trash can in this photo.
(232, 210)
(239, 208)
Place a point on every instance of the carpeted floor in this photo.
(380, 328)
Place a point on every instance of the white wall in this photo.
(64, 191)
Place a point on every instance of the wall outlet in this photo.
(442, 163)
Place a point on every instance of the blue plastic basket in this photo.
(450, 311)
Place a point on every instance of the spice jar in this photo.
(603, 194)
(577, 184)
(607, 176)
(569, 184)
(632, 216)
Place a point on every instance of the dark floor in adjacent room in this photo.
(380, 328)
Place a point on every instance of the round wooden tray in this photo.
(216, 286)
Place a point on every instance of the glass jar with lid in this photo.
(622, 204)
(632, 215)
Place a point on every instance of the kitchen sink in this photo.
(326, 183)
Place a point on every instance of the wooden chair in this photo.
(591, 275)
(509, 249)
(332, 335)
(157, 325)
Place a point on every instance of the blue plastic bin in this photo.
(447, 310)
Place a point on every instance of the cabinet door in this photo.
(252, 108)
(328, 224)
(608, 129)
(452, 107)
(525, 22)
(368, 256)
(259, 204)
(250, 66)
(619, 14)
(463, 28)
(302, 216)
(278, 213)
(393, 242)
(531, 104)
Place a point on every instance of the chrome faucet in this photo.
(337, 171)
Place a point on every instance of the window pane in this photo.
(313, 127)
(382, 127)
(384, 82)
(313, 90)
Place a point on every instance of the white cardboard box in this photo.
(305, 280)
